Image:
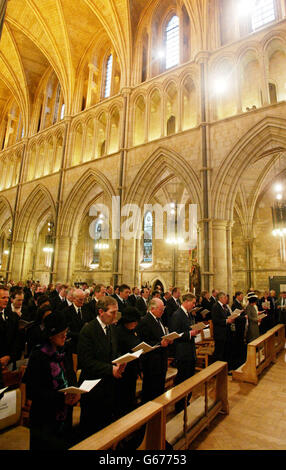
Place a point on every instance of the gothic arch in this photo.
(6, 213)
(161, 160)
(80, 197)
(37, 203)
(268, 136)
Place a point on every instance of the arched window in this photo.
(108, 76)
(172, 42)
(97, 238)
(63, 111)
(57, 103)
(263, 13)
(148, 238)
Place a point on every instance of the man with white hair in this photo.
(76, 317)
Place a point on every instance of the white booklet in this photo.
(172, 336)
(128, 357)
(3, 390)
(145, 347)
(199, 326)
(235, 314)
(85, 387)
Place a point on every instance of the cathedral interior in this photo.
(178, 102)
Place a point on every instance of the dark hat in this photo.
(55, 323)
(130, 315)
(252, 298)
(251, 294)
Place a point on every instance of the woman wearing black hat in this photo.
(49, 370)
(251, 312)
(127, 340)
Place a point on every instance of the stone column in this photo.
(92, 71)
(220, 254)
(65, 253)
(249, 262)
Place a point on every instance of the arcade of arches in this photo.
(90, 110)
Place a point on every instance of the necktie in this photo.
(161, 326)
(108, 333)
(79, 313)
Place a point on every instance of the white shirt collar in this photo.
(185, 310)
(103, 325)
(76, 307)
(13, 309)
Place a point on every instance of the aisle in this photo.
(257, 419)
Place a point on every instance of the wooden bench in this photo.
(188, 431)
(150, 414)
(260, 353)
(154, 414)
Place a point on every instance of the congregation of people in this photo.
(52, 325)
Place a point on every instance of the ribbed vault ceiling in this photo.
(39, 35)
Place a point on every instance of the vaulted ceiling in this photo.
(43, 35)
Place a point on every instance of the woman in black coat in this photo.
(49, 370)
(127, 340)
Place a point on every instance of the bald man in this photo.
(155, 363)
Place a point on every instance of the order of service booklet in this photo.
(85, 387)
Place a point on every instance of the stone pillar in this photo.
(220, 254)
(264, 65)
(91, 84)
(21, 259)
(249, 262)
(64, 259)
(229, 256)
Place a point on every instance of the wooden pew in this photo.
(154, 414)
(189, 431)
(150, 414)
(260, 353)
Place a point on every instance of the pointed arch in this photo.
(80, 197)
(6, 212)
(38, 202)
(158, 162)
(268, 136)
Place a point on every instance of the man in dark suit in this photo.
(16, 304)
(172, 306)
(76, 317)
(185, 348)
(99, 291)
(97, 348)
(132, 299)
(221, 328)
(116, 291)
(22, 312)
(167, 295)
(9, 328)
(58, 301)
(239, 347)
(155, 363)
(122, 298)
(213, 298)
(142, 301)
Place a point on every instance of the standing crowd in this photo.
(62, 330)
